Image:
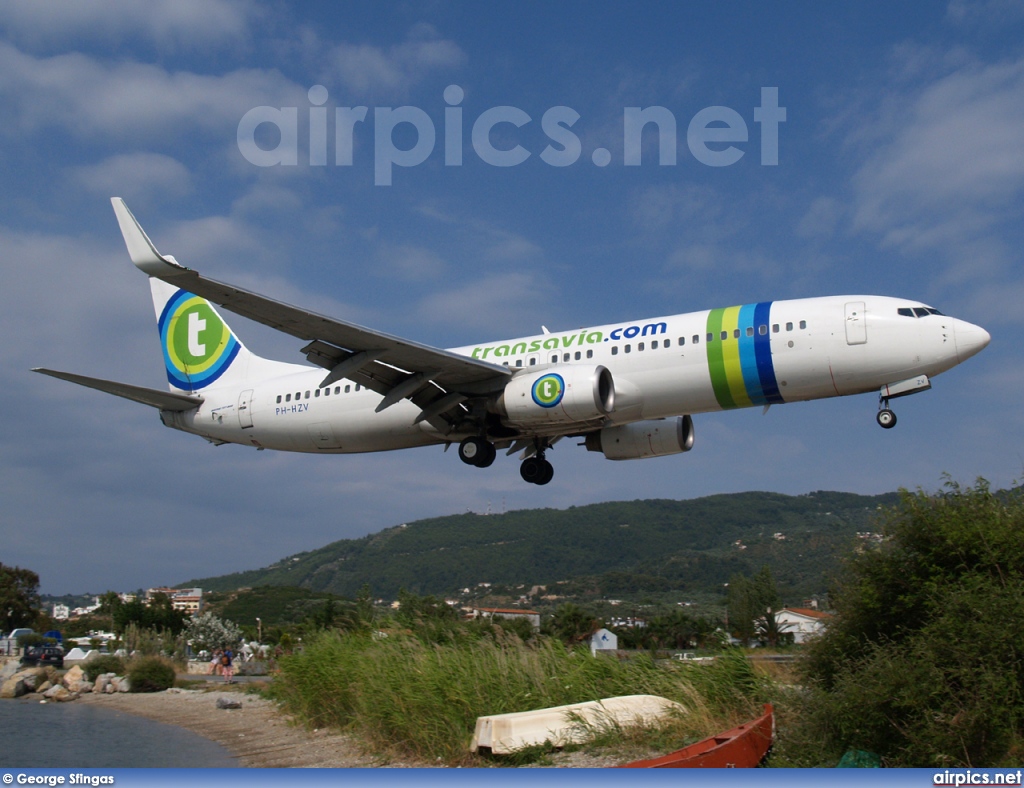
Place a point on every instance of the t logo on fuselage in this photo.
(548, 390)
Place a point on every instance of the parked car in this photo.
(43, 655)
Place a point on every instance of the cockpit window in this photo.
(905, 311)
(920, 311)
(933, 311)
(917, 311)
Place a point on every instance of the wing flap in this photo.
(164, 400)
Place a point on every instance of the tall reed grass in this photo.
(405, 696)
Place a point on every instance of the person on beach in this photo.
(226, 668)
(215, 662)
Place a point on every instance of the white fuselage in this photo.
(781, 351)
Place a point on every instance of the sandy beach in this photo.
(259, 734)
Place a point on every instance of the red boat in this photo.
(745, 746)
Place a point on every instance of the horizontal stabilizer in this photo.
(163, 400)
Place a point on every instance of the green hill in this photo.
(610, 548)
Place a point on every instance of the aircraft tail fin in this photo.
(199, 348)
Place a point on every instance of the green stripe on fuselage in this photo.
(716, 362)
(724, 358)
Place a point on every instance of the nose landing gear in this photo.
(886, 418)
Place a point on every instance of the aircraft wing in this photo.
(346, 349)
(164, 400)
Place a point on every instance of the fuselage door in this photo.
(856, 323)
(245, 409)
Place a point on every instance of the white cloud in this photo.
(169, 24)
(126, 100)
(954, 163)
(504, 304)
(368, 70)
(137, 177)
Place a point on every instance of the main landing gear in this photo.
(536, 469)
(481, 453)
(477, 451)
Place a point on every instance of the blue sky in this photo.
(900, 172)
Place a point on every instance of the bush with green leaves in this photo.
(151, 674)
(924, 663)
(105, 663)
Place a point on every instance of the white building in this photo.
(801, 622)
(512, 613)
(603, 640)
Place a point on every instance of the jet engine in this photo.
(561, 394)
(642, 439)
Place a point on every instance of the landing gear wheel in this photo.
(471, 450)
(886, 419)
(487, 456)
(478, 452)
(536, 470)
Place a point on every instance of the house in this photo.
(801, 622)
(512, 613)
(188, 599)
(603, 640)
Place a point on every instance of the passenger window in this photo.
(565, 357)
(615, 350)
(696, 339)
(519, 362)
(278, 399)
(316, 392)
(590, 354)
(337, 389)
(578, 355)
(627, 349)
(654, 344)
(775, 328)
(358, 386)
(554, 358)
(711, 337)
(307, 395)
(750, 331)
(533, 361)
(803, 324)
(639, 346)
(735, 333)
(348, 388)
(789, 326)
(725, 335)
(298, 395)
(327, 391)
(288, 398)
(762, 330)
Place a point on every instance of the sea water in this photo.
(73, 735)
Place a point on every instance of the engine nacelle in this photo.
(562, 394)
(641, 439)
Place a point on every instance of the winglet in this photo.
(140, 248)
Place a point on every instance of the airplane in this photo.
(628, 390)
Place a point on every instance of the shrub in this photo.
(922, 664)
(105, 663)
(151, 674)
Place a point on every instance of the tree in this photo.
(19, 596)
(923, 661)
(753, 604)
(572, 624)
(208, 631)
